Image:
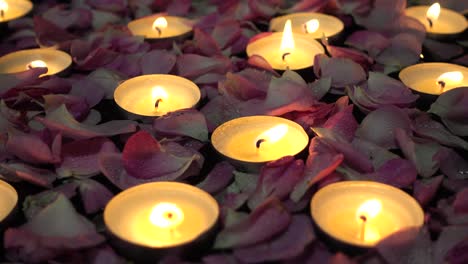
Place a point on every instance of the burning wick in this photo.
(451, 79)
(159, 24)
(285, 55)
(3, 8)
(432, 14)
(311, 26)
(156, 104)
(36, 64)
(259, 142)
(167, 216)
(363, 227)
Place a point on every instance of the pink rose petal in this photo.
(187, 122)
(342, 71)
(218, 178)
(165, 62)
(343, 123)
(266, 221)
(94, 195)
(16, 171)
(29, 147)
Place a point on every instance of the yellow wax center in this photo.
(158, 95)
(272, 135)
(365, 214)
(159, 24)
(433, 13)
(36, 64)
(449, 80)
(166, 215)
(311, 26)
(287, 40)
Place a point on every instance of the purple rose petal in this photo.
(16, 171)
(398, 172)
(452, 164)
(277, 179)
(76, 106)
(145, 158)
(322, 161)
(166, 62)
(342, 71)
(370, 41)
(452, 108)
(48, 34)
(343, 123)
(266, 221)
(291, 243)
(61, 120)
(29, 147)
(186, 122)
(378, 126)
(448, 239)
(426, 189)
(441, 51)
(218, 178)
(80, 157)
(94, 195)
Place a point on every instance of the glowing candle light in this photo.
(434, 78)
(36, 64)
(8, 199)
(433, 13)
(253, 140)
(362, 213)
(3, 8)
(159, 24)
(450, 80)
(156, 94)
(365, 213)
(311, 26)
(271, 136)
(166, 215)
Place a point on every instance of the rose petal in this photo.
(426, 189)
(406, 246)
(187, 122)
(291, 243)
(451, 107)
(342, 71)
(277, 179)
(94, 195)
(398, 172)
(370, 41)
(343, 123)
(80, 158)
(449, 238)
(29, 147)
(165, 62)
(61, 120)
(266, 221)
(19, 171)
(218, 178)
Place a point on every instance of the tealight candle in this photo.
(285, 50)
(313, 24)
(8, 199)
(160, 27)
(13, 9)
(161, 215)
(259, 139)
(438, 21)
(434, 78)
(56, 61)
(363, 213)
(156, 94)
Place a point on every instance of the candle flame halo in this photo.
(166, 215)
(369, 209)
(159, 24)
(36, 64)
(311, 26)
(433, 13)
(450, 79)
(158, 95)
(272, 135)
(287, 41)
(3, 7)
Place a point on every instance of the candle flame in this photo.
(3, 6)
(450, 79)
(36, 64)
(166, 215)
(272, 135)
(433, 13)
(311, 26)
(159, 94)
(160, 23)
(287, 41)
(369, 209)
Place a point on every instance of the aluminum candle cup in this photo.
(161, 27)
(56, 61)
(14, 9)
(156, 94)
(439, 22)
(249, 142)
(315, 25)
(151, 220)
(286, 50)
(429, 80)
(8, 202)
(362, 213)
